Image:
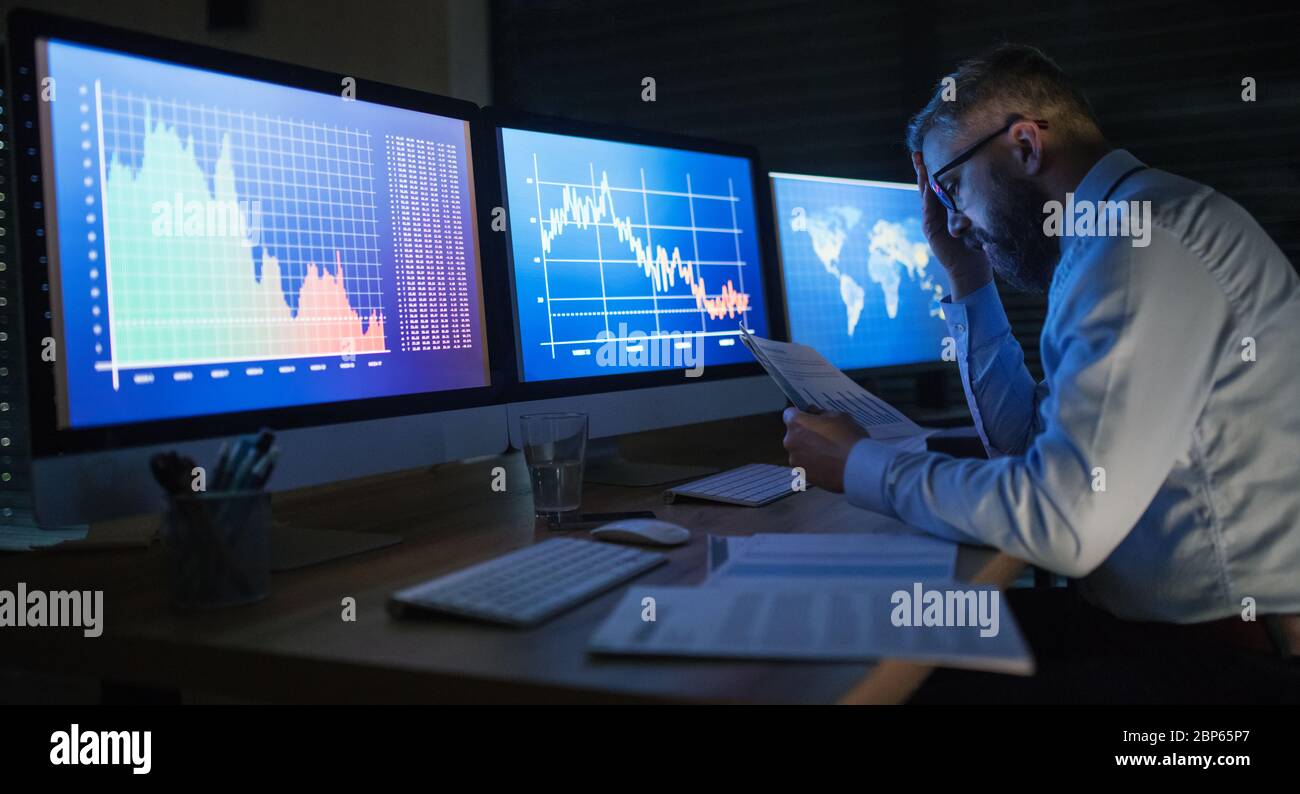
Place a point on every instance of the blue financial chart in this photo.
(621, 250)
(862, 286)
(226, 244)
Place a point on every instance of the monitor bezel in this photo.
(857, 373)
(519, 390)
(25, 28)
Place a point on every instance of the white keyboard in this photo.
(749, 486)
(525, 587)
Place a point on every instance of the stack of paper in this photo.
(832, 558)
(770, 619)
(19, 537)
(828, 597)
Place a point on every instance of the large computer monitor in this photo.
(634, 259)
(861, 285)
(213, 243)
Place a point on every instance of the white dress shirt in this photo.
(1159, 461)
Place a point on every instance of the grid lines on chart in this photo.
(291, 268)
(650, 231)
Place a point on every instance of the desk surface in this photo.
(295, 646)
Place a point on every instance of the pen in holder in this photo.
(220, 547)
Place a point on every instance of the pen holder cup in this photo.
(220, 548)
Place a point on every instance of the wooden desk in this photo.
(295, 647)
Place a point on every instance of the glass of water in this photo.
(555, 446)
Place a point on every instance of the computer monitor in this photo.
(213, 243)
(634, 259)
(861, 285)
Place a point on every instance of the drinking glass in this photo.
(555, 445)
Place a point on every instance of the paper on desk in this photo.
(722, 548)
(813, 383)
(18, 537)
(843, 558)
(795, 620)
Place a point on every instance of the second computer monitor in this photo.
(635, 258)
(619, 247)
(861, 284)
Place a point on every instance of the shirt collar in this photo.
(1104, 174)
(1095, 185)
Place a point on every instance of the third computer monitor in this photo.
(635, 259)
(861, 284)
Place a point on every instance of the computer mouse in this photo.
(646, 531)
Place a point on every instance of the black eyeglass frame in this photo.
(938, 189)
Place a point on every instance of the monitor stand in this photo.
(606, 465)
(295, 547)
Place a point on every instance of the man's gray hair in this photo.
(1010, 79)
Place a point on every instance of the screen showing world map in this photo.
(862, 286)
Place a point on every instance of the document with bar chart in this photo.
(812, 383)
(227, 244)
(621, 249)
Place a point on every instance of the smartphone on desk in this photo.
(593, 520)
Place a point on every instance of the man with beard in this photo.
(1155, 464)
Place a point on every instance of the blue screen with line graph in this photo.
(221, 244)
(627, 257)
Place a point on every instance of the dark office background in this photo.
(826, 87)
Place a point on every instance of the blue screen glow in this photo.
(629, 257)
(219, 244)
(862, 287)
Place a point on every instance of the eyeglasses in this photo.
(939, 191)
